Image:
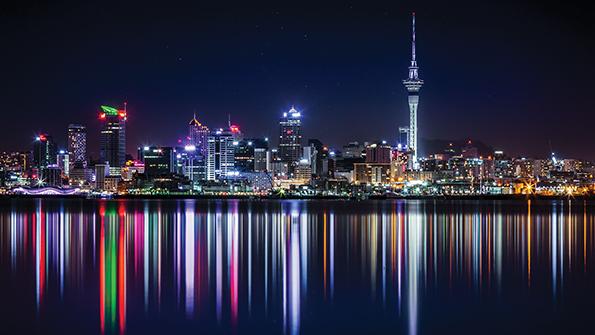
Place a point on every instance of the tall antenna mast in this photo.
(413, 61)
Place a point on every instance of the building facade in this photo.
(198, 135)
(290, 137)
(44, 151)
(77, 145)
(220, 154)
(112, 146)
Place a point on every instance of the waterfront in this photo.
(295, 266)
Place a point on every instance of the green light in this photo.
(109, 110)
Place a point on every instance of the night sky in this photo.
(515, 76)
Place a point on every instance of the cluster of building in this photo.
(222, 161)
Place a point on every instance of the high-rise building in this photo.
(413, 84)
(378, 153)
(77, 145)
(159, 161)
(101, 171)
(221, 154)
(112, 149)
(193, 165)
(63, 161)
(290, 137)
(246, 154)
(44, 151)
(198, 135)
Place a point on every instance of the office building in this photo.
(101, 171)
(158, 161)
(44, 151)
(112, 145)
(378, 153)
(77, 145)
(220, 154)
(246, 152)
(198, 136)
(290, 137)
(63, 161)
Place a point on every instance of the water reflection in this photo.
(282, 266)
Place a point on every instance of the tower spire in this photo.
(413, 61)
(413, 67)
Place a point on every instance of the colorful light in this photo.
(109, 110)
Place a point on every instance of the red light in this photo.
(289, 132)
(122, 114)
(234, 129)
(102, 116)
(42, 138)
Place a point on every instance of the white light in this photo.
(266, 139)
(178, 156)
(190, 147)
(146, 148)
(236, 142)
(37, 138)
(332, 153)
(62, 152)
(383, 142)
(249, 142)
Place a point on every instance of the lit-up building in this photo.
(63, 161)
(221, 154)
(112, 146)
(77, 145)
(290, 137)
(44, 151)
(159, 161)
(198, 136)
(250, 154)
(378, 153)
(191, 164)
(372, 173)
(413, 84)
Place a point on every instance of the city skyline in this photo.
(535, 115)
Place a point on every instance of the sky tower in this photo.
(413, 84)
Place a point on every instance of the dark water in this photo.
(411, 267)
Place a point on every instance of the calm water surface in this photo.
(289, 267)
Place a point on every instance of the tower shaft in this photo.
(413, 84)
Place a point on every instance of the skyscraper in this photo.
(44, 151)
(290, 137)
(77, 145)
(198, 135)
(413, 84)
(221, 154)
(112, 148)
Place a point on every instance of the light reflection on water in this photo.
(281, 266)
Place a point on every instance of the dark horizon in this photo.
(514, 76)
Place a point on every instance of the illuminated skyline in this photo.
(341, 63)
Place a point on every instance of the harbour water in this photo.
(296, 267)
